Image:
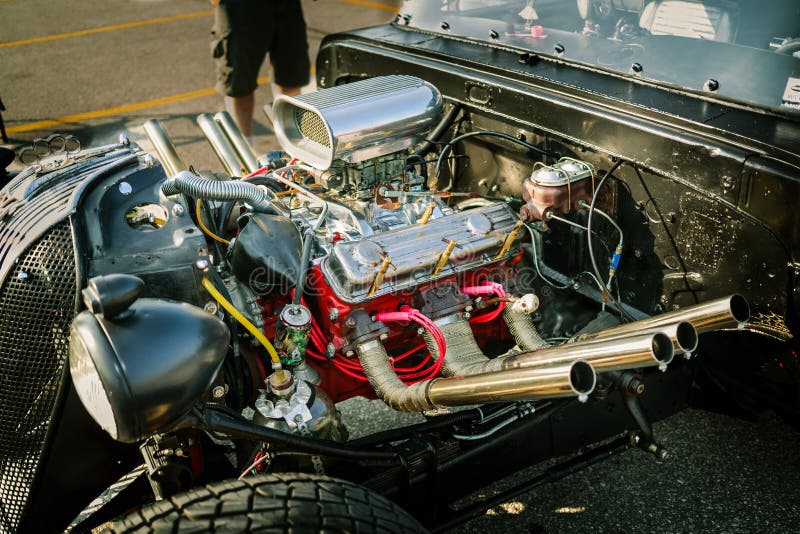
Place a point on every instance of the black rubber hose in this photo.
(430, 142)
(300, 285)
(216, 421)
(196, 187)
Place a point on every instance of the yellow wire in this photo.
(198, 208)
(250, 327)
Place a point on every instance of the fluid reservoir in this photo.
(556, 189)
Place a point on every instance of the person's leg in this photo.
(239, 53)
(288, 51)
(243, 107)
(289, 91)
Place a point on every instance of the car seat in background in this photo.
(713, 21)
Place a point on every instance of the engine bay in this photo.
(382, 254)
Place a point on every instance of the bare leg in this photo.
(289, 91)
(243, 107)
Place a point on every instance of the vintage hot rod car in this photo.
(542, 226)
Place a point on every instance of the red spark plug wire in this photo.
(488, 288)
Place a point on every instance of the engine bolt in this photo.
(330, 350)
(333, 314)
(211, 307)
(177, 210)
(349, 353)
(218, 392)
(149, 161)
(201, 264)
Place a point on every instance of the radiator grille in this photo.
(311, 126)
(37, 304)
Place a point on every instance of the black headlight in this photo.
(143, 369)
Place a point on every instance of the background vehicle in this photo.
(698, 181)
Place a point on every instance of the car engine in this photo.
(224, 315)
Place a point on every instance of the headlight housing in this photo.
(142, 369)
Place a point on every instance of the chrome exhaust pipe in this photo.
(568, 379)
(614, 354)
(726, 312)
(165, 150)
(243, 149)
(683, 335)
(222, 147)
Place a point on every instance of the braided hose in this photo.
(194, 186)
(464, 356)
(387, 385)
(524, 331)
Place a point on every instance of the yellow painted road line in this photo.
(118, 110)
(375, 5)
(160, 20)
(103, 29)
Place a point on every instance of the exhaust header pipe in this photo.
(167, 155)
(683, 334)
(243, 149)
(726, 312)
(613, 354)
(568, 379)
(222, 147)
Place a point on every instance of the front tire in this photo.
(274, 503)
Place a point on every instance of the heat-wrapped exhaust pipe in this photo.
(464, 356)
(524, 331)
(614, 354)
(222, 146)
(568, 379)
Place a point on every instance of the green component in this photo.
(291, 334)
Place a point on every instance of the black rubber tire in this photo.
(272, 503)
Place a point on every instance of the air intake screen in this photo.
(37, 304)
(311, 126)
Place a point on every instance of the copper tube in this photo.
(165, 150)
(222, 147)
(576, 378)
(682, 333)
(645, 350)
(237, 139)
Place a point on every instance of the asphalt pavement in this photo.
(96, 68)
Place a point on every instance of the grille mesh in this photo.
(35, 313)
(311, 126)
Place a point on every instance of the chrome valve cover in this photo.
(415, 252)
